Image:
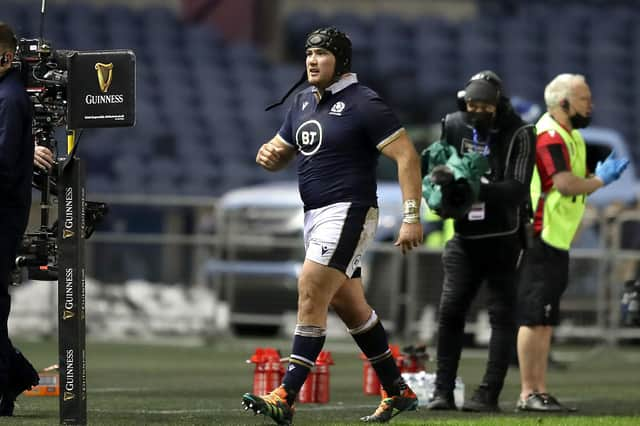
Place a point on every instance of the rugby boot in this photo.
(278, 405)
(391, 406)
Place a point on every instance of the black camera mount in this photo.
(78, 90)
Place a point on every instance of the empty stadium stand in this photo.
(200, 99)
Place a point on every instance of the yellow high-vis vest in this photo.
(437, 238)
(562, 213)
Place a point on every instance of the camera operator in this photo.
(489, 236)
(16, 158)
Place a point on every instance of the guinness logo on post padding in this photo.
(105, 75)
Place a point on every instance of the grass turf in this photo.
(136, 384)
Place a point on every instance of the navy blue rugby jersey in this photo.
(338, 141)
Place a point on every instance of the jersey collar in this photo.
(341, 84)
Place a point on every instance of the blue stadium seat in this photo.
(284, 76)
(192, 147)
(610, 31)
(201, 40)
(237, 174)
(30, 22)
(120, 17)
(130, 176)
(164, 168)
(202, 186)
(161, 185)
(99, 183)
(394, 63)
(350, 22)
(521, 29)
(12, 14)
(438, 79)
(159, 17)
(476, 54)
(297, 25)
(229, 141)
(125, 39)
(390, 23)
(244, 54)
(565, 57)
(442, 45)
(425, 27)
(167, 38)
(250, 77)
(81, 15)
(577, 12)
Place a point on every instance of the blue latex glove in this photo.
(610, 169)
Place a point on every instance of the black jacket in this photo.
(16, 152)
(505, 191)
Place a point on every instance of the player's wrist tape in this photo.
(410, 212)
(414, 218)
(410, 207)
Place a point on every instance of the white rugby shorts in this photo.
(337, 235)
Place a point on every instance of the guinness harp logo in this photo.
(67, 314)
(105, 74)
(67, 234)
(68, 396)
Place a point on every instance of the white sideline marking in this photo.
(301, 407)
(319, 407)
(114, 390)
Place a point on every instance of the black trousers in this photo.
(8, 246)
(467, 263)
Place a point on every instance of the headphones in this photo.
(488, 76)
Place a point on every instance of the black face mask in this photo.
(481, 121)
(579, 121)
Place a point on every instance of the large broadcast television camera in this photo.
(93, 89)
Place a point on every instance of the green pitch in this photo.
(144, 385)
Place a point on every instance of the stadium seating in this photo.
(201, 98)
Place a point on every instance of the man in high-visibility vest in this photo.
(559, 188)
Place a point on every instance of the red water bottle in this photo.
(415, 358)
(259, 372)
(401, 360)
(307, 392)
(370, 382)
(274, 369)
(322, 377)
(268, 372)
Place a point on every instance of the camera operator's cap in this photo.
(484, 86)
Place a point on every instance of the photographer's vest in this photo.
(562, 214)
